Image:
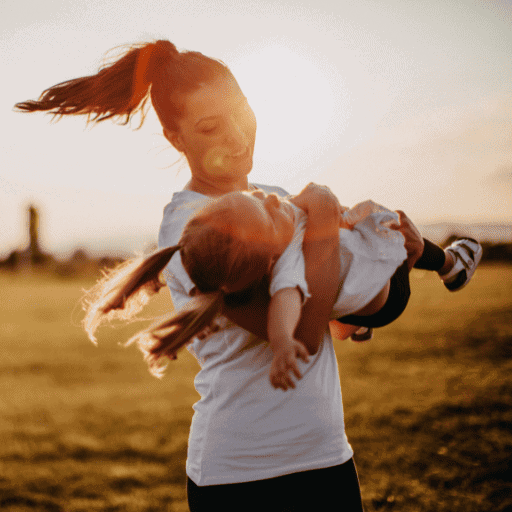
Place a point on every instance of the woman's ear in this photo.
(175, 139)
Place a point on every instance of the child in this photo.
(378, 262)
(235, 242)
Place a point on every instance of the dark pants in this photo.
(335, 488)
(399, 291)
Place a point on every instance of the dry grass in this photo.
(427, 404)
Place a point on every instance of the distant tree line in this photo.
(492, 252)
(81, 264)
(497, 252)
(78, 265)
(33, 259)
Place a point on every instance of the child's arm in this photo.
(283, 317)
(322, 255)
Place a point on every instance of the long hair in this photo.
(214, 256)
(123, 291)
(121, 88)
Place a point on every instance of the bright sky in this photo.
(407, 103)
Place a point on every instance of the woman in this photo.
(250, 447)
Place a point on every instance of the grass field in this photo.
(428, 405)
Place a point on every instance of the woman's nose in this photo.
(236, 134)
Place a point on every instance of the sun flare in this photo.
(300, 103)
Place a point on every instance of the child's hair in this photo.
(121, 89)
(215, 257)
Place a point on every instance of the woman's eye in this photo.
(208, 129)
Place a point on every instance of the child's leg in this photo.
(399, 293)
(433, 257)
(455, 265)
(461, 258)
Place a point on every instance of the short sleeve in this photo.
(179, 283)
(176, 215)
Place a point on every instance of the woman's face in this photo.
(217, 132)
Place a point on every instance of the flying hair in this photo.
(123, 291)
(161, 340)
(121, 88)
(215, 258)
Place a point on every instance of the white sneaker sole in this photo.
(467, 253)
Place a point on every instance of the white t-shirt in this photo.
(370, 252)
(243, 429)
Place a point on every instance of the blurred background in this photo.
(406, 103)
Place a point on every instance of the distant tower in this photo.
(33, 248)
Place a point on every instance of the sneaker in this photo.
(467, 254)
(362, 334)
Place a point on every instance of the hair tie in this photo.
(164, 48)
(150, 59)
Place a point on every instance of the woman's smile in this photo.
(242, 153)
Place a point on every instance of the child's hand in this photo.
(318, 198)
(284, 361)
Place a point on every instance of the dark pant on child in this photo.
(335, 488)
(399, 290)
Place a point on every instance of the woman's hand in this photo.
(414, 243)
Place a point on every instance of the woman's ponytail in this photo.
(119, 89)
(165, 337)
(125, 290)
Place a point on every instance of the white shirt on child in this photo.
(370, 253)
(243, 429)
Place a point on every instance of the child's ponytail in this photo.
(118, 90)
(125, 290)
(165, 337)
(222, 264)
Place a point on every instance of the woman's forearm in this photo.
(321, 253)
(322, 274)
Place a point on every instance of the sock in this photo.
(433, 257)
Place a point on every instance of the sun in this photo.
(301, 105)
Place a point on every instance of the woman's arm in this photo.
(322, 263)
(414, 243)
(321, 253)
(322, 256)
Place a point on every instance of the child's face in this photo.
(264, 224)
(268, 218)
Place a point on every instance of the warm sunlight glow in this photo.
(299, 100)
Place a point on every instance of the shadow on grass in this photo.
(456, 455)
(489, 335)
(136, 466)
